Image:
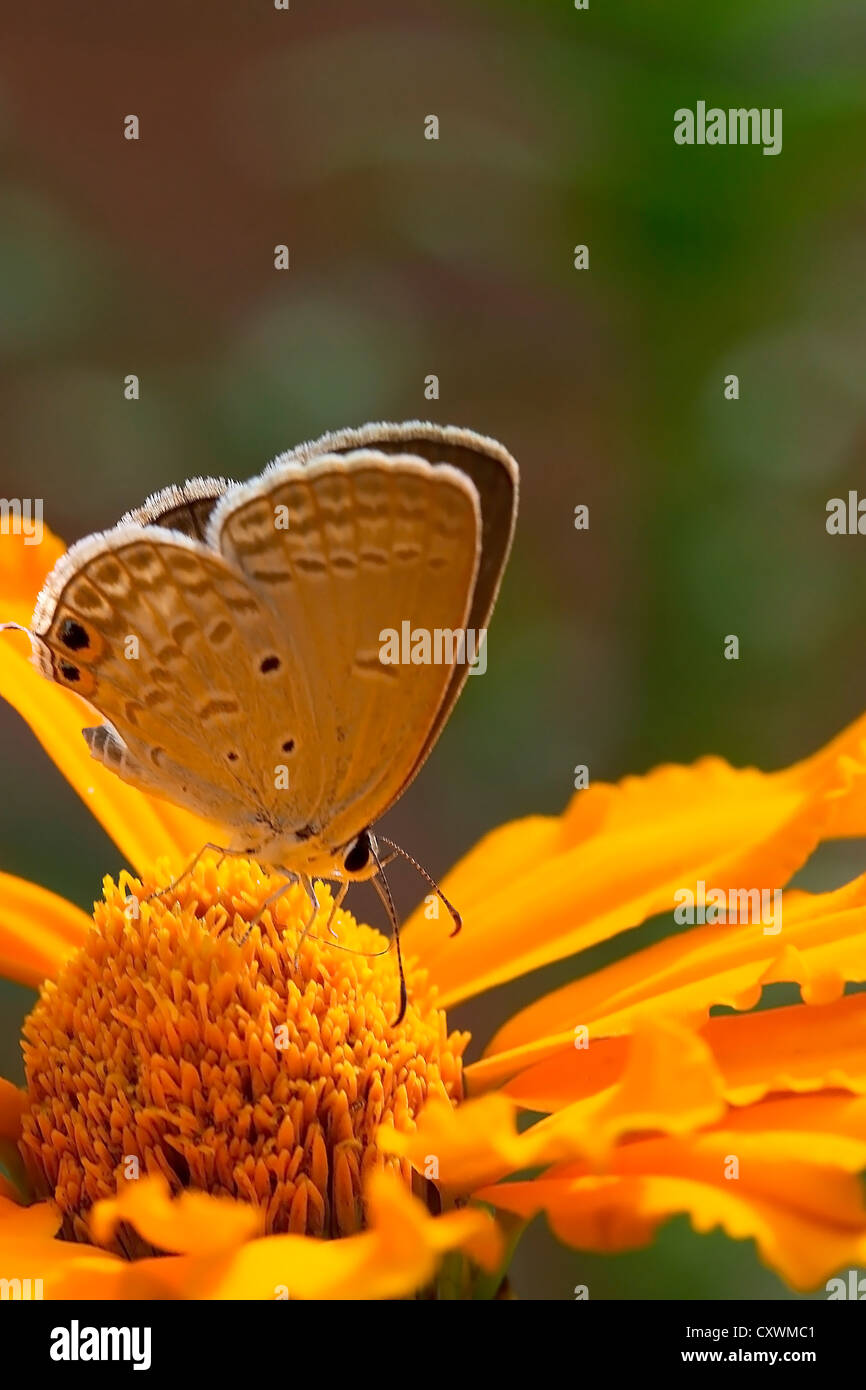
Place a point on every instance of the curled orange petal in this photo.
(617, 856)
(193, 1223)
(38, 930)
(396, 1256)
(13, 1102)
(848, 750)
(670, 1083)
(464, 1146)
(797, 1048)
(29, 1251)
(794, 1192)
(821, 947)
(24, 568)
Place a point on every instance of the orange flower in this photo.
(217, 1108)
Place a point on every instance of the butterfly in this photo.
(230, 636)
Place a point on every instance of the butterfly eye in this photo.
(358, 857)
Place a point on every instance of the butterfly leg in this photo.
(290, 880)
(336, 904)
(220, 850)
(314, 906)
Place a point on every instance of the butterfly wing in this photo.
(217, 673)
(495, 475)
(166, 641)
(185, 507)
(373, 542)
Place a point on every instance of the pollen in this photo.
(198, 1036)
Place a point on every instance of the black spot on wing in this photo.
(73, 636)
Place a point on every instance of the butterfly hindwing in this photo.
(496, 478)
(371, 543)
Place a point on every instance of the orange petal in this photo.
(821, 946)
(805, 1214)
(193, 1223)
(835, 1126)
(13, 1103)
(23, 570)
(36, 1223)
(670, 1083)
(38, 930)
(29, 1250)
(616, 857)
(848, 815)
(474, 1143)
(397, 1255)
(145, 828)
(796, 1048)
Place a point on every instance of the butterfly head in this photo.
(307, 853)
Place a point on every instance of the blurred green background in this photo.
(411, 257)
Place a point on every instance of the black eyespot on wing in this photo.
(232, 757)
(270, 663)
(69, 672)
(289, 745)
(73, 635)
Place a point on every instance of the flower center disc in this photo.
(257, 1069)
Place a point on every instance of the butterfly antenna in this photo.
(458, 920)
(380, 883)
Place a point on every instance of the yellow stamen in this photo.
(166, 1046)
